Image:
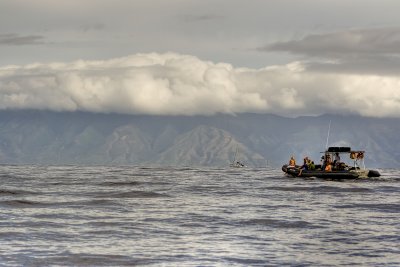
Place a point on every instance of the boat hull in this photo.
(339, 175)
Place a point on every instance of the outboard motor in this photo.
(373, 173)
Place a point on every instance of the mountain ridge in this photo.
(46, 137)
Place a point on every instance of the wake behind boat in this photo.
(332, 166)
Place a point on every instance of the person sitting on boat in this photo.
(304, 166)
(306, 162)
(328, 167)
(311, 165)
(292, 162)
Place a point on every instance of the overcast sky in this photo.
(288, 57)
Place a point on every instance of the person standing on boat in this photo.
(328, 159)
(328, 163)
(337, 159)
(323, 163)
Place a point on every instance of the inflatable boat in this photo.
(332, 167)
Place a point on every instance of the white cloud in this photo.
(175, 84)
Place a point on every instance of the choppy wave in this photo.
(157, 216)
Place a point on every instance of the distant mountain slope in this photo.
(42, 137)
(206, 145)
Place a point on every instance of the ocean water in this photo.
(134, 216)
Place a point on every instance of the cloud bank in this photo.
(176, 84)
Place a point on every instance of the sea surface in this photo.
(135, 216)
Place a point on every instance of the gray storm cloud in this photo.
(175, 84)
(379, 41)
(362, 51)
(14, 39)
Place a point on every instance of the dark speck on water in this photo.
(144, 216)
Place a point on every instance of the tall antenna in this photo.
(327, 138)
